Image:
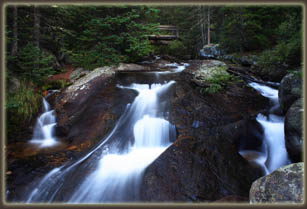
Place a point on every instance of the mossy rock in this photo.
(294, 131)
(210, 69)
(284, 185)
(289, 91)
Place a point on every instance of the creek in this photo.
(112, 171)
(272, 154)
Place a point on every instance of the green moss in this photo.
(216, 77)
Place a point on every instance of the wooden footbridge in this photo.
(173, 34)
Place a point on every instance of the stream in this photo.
(273, 153)
(113, 170)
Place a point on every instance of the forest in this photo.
(230, 66)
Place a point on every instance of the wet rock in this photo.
(132, 67)
(199, 168)
(294, 131)
(88, 109)
(251, 135)
(276, 110)
(211, 51)
(203, 164)
(285, 185)
(289, 91)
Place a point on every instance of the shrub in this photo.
(177, 48)
(55, 84)
(21, 107)
(25, 103)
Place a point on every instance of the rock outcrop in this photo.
(206, 70)
(294, 131)
(289, 91)
(200, 167)
(285, 185)
(203, 164)
(89, 108)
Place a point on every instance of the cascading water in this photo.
(43, 131)
(112, 172)
(273, 154)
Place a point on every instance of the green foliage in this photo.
(55, 84)
(212, 89)
(177, 48)
(96, 57)
(288, 48)
(257, 28)
(110, 38)
(21, 107)
(297, 73)
(34, 64)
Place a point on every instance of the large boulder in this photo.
(284, 185)
(211, 51)
(88, 109)
(197, 168)
(289, 91)
(294, 131)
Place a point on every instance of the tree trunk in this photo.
(36, 26)
(242, 36)
(15, 32)
(208, 25)
(201, 23)
(37, 35)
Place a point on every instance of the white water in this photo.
(178, 67)
(44, 128)
(113, 171)
(274, 154)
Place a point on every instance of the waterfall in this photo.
(273, 154)
(113, 170)
(44, 127)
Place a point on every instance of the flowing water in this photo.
(273, 153)
(44, 127)
(113, 170)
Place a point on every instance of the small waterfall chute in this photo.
(274, 154)
(115, 167)
(44, 128)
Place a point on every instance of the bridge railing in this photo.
(173, 29)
